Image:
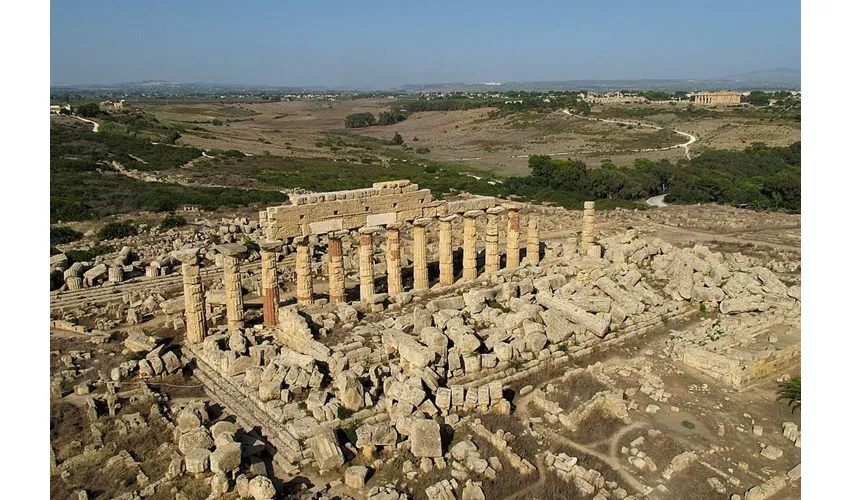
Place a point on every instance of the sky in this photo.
(380, 45)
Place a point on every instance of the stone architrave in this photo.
(303, 271)
(193, 295)
(268, 278)
(420, 254)
(393, 259)
(233, 283)
(491, 251)
(587, 233)
(447, 273)
(470, 239)
(532, 250)
(512, 240)
(367, 270)
(336, 273)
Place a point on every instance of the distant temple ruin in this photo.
(724, 97)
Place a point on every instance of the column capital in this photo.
(271, 245)
(448, 218)
(589, 204)
(367, 231)
(471, 214)
(422, 222)
(231, 249)
(395, 226)
(511, 207)
(495, 211)
(187, 255)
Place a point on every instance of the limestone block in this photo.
(355, 477)
(226, 458)
(197, 461)
(261, 488)
(325, 449)
(425, 440)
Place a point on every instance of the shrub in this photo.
(358, 120)
(344, 413)
(792, 391)
(63, 234)
(115, 230)
(423, 151)
(687, 424)
(251, 244)
(172, 220)
(397, 139)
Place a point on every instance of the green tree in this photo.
(359, 120)
(397, 139)
(63, 234)
(115, 230)
(172, 137)
(88, 110)
(172, 220)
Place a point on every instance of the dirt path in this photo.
(687, 145)
(657, 201)
(96, 125)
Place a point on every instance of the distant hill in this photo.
(774, 79)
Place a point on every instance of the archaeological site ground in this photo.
(389, 342)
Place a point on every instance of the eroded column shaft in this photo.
(446, 258)
(336, 273)
(393, 260)
(367, 272)
(303, 272)
(268, 286)
(420, 254)
(193, 296)
(491, 251)
(512, 240)
(470, 250)
(233, 292)
(588, 237)
(532, 250)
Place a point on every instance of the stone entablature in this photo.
(312, 214)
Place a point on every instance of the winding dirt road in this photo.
(94, 123)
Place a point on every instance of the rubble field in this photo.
(644, 367)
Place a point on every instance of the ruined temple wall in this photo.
(385, 202)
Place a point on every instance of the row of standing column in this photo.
(194, 290)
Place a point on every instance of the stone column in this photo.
(532, 247)
(336, 273)
(152, 272)
(587, 236)
(420, 254)
(193, 296)
(491, 251)
(116, 273)
(393, 259)
(447, 273)
(470, 239)
(367, 271)
(512, 243)
(231, 252)
(72, 276)
(268, 279)
(303, 271)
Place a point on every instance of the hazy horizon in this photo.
(385, 45)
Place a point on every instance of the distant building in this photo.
(723, 97)
(613, 98)
(113, 104)
(56, 109)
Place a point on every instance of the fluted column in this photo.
(116, 272)
(231, 252)
(193, 296)
(303, 271)
(447, 273)
(470, 240)
(268, 280)
(512, 240)
(587, 234)
(393, 259)
(336, 273)
(367, 272)
(420, 254)
(532, 247)
(491, 251)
